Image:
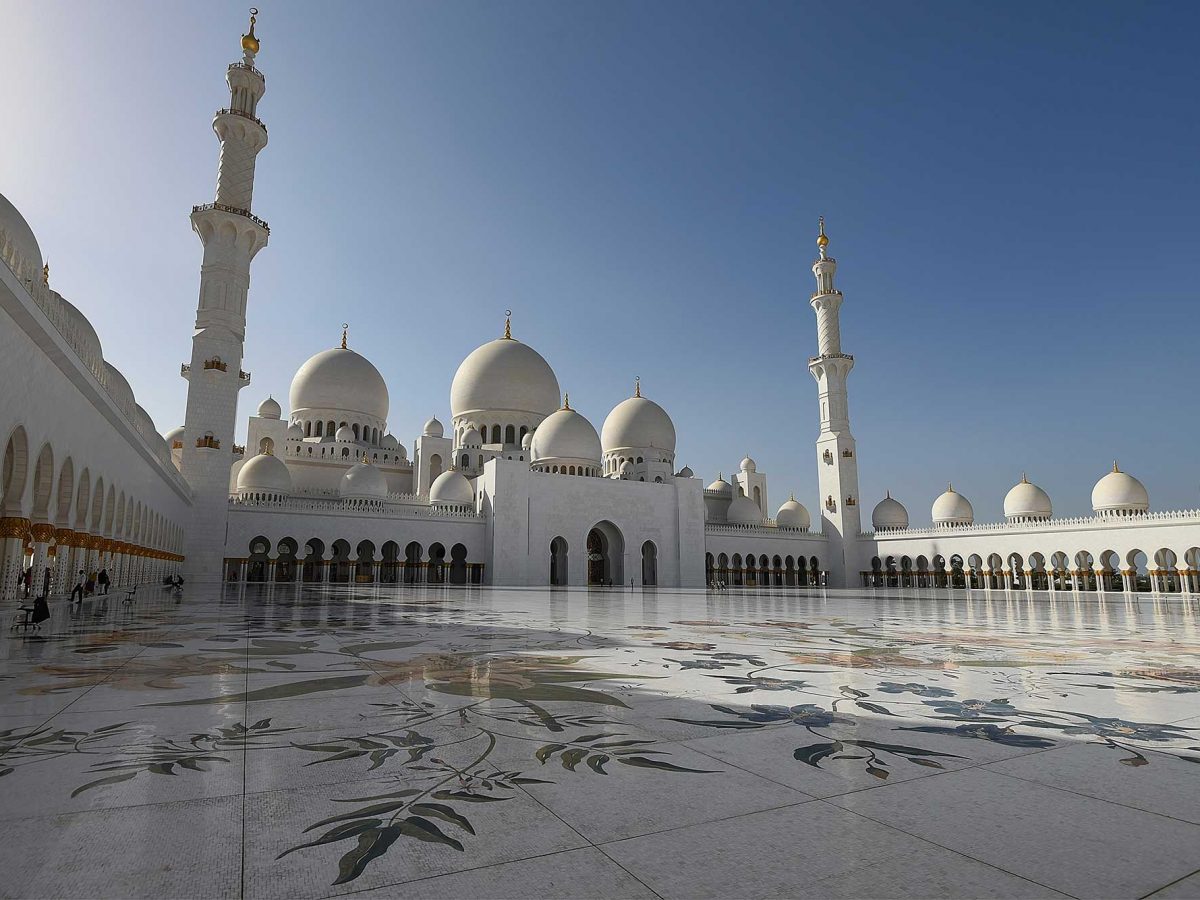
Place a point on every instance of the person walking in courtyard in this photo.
(26, 581)
(46, 583)
(103, 581)
(78, 589)
(89, 584)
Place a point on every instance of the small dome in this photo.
(295, 432)
(527, 440)
(81, 335)
(401, 451)
(952, 508)
(451, 488)
(721, 485)
(1119, 493)
(173, 437)
(264, 474)
(626, 470)
(504, 376)
(565, 435)
(1027, 501)
(270, 409)
(389, 442)
(345, 434)
(119, 389)
(342, 380)
(744, 511)
(433, 428)
(792, 514)
(749, 465)
(472, 438)
(685, 472)
(889, 515)
(638, 423)
(363, 480)
(17, 241)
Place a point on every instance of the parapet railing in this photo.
(767, 528)
(237, 211)
(390, 507)
(1074, 523)
(245, 115)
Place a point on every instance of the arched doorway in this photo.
(412, 563)
(558, 561)
(649, 564)
(458, 564)
(605, 553)
(436, 571)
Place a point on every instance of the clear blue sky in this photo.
(1011, 192)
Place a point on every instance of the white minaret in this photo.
(837, 463)
(231, 236)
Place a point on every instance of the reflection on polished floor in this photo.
(450, 742)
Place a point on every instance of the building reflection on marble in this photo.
(439, 741)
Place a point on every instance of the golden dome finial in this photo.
(1115, 468)
(250, 41)
(345, 327)
(566, 400)
(1024, 480)
(822, 238)
(950, 487)
(46, 274)
(508, 325)
(637, 385)
(366, 460)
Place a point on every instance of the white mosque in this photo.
(519, 490)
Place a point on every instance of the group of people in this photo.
(86, 584)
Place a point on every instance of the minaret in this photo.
(231, 236)
(837, 465)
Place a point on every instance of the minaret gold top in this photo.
(345, 327)
(508, 325)
(822, 238)
(250, 41)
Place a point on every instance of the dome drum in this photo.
(264, 477)
(1119, 494)
(566, 443)
(951, 509)
(889, 515)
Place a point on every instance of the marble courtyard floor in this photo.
(456, 742)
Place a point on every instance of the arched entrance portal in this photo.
(605, 554)
(649, 563)
(558, 561)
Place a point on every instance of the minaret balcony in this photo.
(249, 68)
(237, 212)
(245, 115)
(817, 294)
(208, 442)
(825, 356)
(243, 377)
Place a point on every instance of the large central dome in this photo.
(504, 375)
(340, 379)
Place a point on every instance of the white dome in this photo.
(638, 423)
(685, 472)
(451, 488)
(749, 465)
(527, 440)
(1027, 501)
(433, 428)
(119, 389)
(889, 515)
(363, 480)
(472, 438)
(340, 380)
(626, 469)
(565, 435)
(17, 240)
(345, 434)
(744, 511)
(952, 508)
(270, 409)
(82, 336)
(721, 485)
(792, 514)
(175, 434)
(389, 442)
(295, 432)
(265, 474)
(504, 375)
(1121, 493)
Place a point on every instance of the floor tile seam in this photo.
(958, 853)
(1159, 890)
(587, 840)
(115, 807)
(245, 763)
(83, 694)
(479, 868)
(1064, 790)
(869, 787)
(719, 819)
(933, 843)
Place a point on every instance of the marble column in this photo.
(13, 531)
